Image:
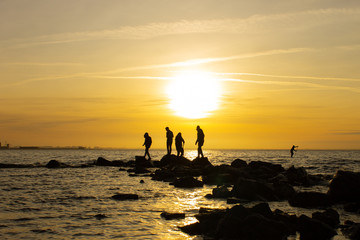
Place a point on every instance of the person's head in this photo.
(179, 134)
(167, 128)
(146, 135)
(198, 127)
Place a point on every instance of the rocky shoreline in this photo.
(240, 182)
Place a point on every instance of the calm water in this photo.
(41, 203)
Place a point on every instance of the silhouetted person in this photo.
(200, 140)
(179, 141)
(292, 150)
(147, 144)
(169, 140)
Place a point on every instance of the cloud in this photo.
(253, 24)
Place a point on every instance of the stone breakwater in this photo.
(240, 182)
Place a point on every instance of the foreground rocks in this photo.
(257, 222)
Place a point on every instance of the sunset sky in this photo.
(253, 74)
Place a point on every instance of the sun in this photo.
(194, 94)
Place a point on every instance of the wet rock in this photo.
(165, 175)
(10, 165)
(209, 219)
(283, 190)
(192, 229)
(345, 186)
(100, 216)
(329, 216)
(141, 162)
(264, 170)
(297, 176)
(238, 163)
(253, 190)
(352, 231)
(312, 229)
(201, 162)
(187, 182)
(170, 216)
(55, 164)
(172, 160)
(254, 226)
(309, 200)
(352, 207)
(142, 181)
(234, 200)
(124, 196)
(221, 192)
(103, 162)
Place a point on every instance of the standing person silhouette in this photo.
(169, 140)
(147, 144)
(293, 150)
(179, 141)
(200, 141)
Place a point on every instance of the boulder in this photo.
(141, 162)
(329, 216)
(253, 190)
(170, 216)
(352, 207)
(221, 192)
(264, 170)
(201, 163)
(352, 231)
(297, 176)
(311, 229)
(345, 186)
(172, 160)
(187, 182)
(283, 190)
(125, 196)
(55, 164)
(192, 229)
(309, 200)
(238, 163)
(103, 162)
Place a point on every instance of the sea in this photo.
(65, 203)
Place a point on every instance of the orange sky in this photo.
(253, 74)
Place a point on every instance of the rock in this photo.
(219, 179)
(234, 200)
(352, 207)
(264, 170)
(238, 163)
(201, 162)
(100, 216)
(192, 229)
(330, 217)
(55, 164)
(124, 196)
(103, 162)
(297, 176)
(141, 162)
(10, 165)
(163, 175)
(187, 182)
(312, 229)
(253, 190)
(172, 160)
(209, 219)
(345, 186)
(283, 190)
(170, 216)
(309, 200)
(142, 181)
(254, 226)
(352, 231)
(221, 192)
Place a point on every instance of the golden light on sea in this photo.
(194, 94)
